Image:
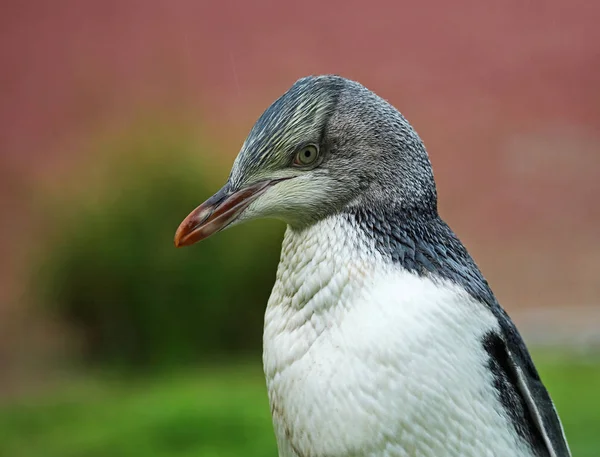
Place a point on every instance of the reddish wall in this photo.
(505, 96)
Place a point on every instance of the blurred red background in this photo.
(505, 96)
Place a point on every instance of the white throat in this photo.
(320, 270)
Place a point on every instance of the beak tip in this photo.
(180, 242)
(180, 236)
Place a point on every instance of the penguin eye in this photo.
(307, 155)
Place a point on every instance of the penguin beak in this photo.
(218, 212)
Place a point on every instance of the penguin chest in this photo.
(393, 368)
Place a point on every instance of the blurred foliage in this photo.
(112, 273)
(220, 412)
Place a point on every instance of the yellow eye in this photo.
(307, 155)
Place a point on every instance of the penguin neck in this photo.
(324, 264)
(415, 238)
(320, 263)
(341, 250)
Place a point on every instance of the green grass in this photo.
(575, 388)
(221, 412)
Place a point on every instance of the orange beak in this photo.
(217, 212)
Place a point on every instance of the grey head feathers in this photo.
(369, 151)
(396, 165)
(298, 117)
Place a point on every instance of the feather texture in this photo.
(369, 355)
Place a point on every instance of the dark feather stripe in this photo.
(506, 383)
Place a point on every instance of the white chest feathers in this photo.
(363, 358)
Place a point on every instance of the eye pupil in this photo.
(307, 155)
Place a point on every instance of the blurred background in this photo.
(117, 117)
